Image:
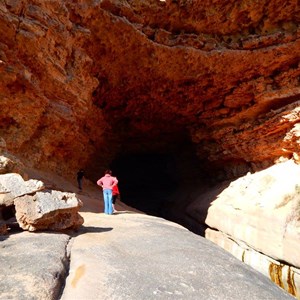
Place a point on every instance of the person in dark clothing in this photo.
(80, 175)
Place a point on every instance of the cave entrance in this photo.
(153, 182)
(146, 180)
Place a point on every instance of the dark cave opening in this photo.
(153, 182)
(146, 180)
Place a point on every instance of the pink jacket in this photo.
(107, 182)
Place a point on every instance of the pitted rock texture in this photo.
(77, 76)
(34, 266)
(36, 208)
(48, 210)
(46, 86)
(14, 185)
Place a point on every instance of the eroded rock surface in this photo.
(85, 81)
(48, 210)
(111, 256)
(33, 266)
(90, 74)
(133, 256)
(256, 218)
(267, 217)
(35, 207)
(14, 185)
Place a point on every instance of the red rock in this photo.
(75, 75)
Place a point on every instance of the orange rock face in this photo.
(83, 80)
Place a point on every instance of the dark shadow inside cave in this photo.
(161, 172)
(157, 183)
(147, 180)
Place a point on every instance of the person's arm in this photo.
(115, 182)
(100, 183)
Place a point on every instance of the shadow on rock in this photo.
(91, 229)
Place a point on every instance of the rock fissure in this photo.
(66, 262)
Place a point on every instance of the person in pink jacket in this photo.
(107, 182)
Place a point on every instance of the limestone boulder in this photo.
(12, 185)
(261, 210)
(16, 186)
(48, 210)
(6, 198)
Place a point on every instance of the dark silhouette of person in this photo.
(80, 175)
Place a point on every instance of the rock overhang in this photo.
(146, 77)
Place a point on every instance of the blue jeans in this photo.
(107, 196)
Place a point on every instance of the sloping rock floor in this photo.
(124, 256)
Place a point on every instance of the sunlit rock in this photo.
(48, 210)
(15, 185)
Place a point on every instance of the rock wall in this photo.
(76, 76)
(84, 81)
(46, 114)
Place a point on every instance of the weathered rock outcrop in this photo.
(85, 81)
(257, 219)
(35, 207)
(33, 266)
(111, 256)
(87, 74)
(46, 113)
(48, 210)
(114, 255)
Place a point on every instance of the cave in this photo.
(146, 180)
(149, 181)
(151, 89)
(161, 178)
(184, 100)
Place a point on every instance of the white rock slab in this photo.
(263, 211)
(17, 186)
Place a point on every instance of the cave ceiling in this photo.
(223, 75)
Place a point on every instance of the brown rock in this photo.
(219, 75)
(48, 210)
(3, 227)
(2, 145)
